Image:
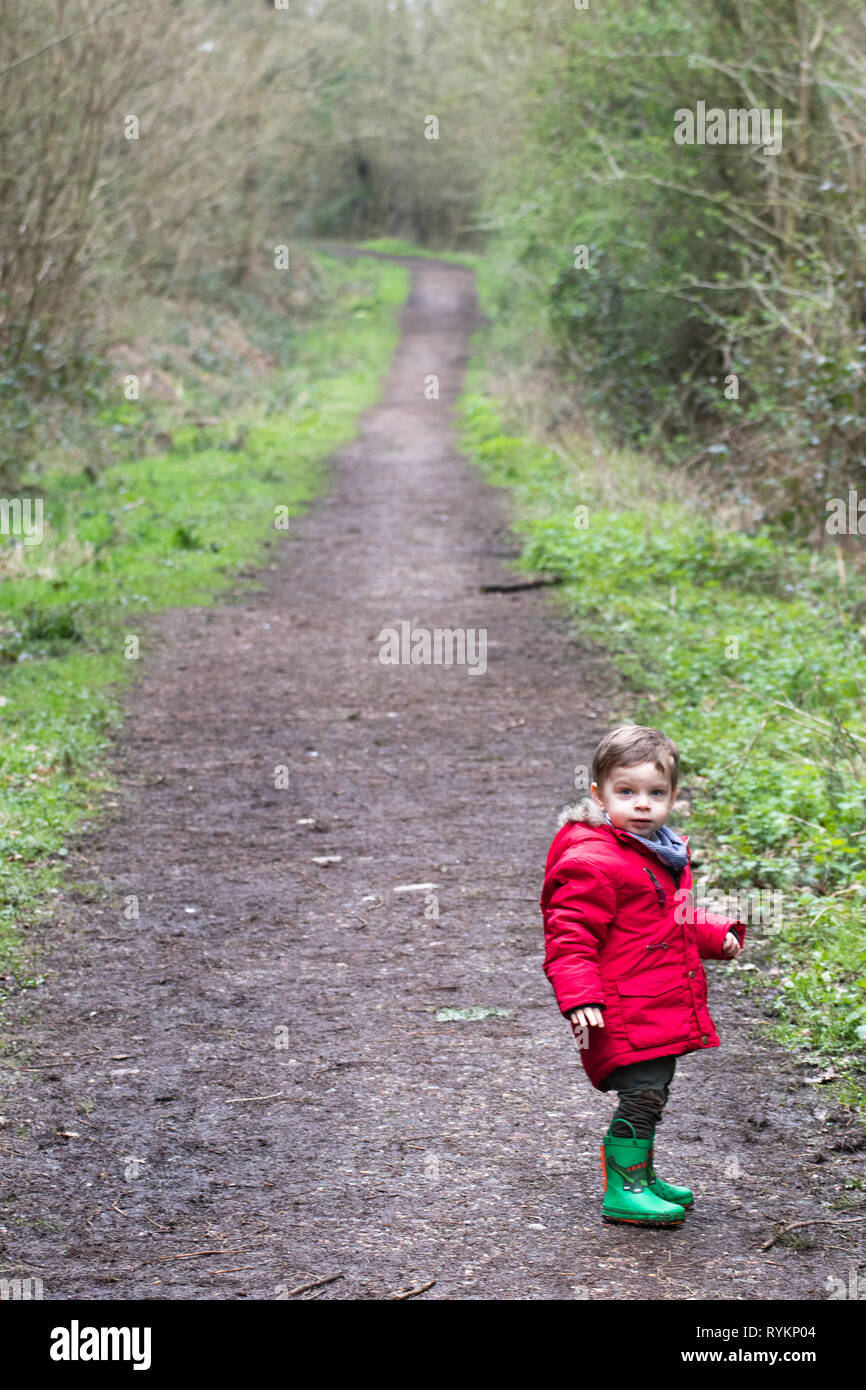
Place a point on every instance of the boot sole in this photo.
(639, 1220)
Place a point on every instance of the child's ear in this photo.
(593, 791)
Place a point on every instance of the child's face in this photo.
(637, 798)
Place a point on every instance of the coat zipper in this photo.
(659, 945)
(660, 894)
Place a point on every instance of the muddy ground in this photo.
(248, 1088)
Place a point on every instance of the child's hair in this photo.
(629, 744)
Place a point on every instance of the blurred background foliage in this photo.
(260, 126)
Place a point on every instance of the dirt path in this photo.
(368, 1139)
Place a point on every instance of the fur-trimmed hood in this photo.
(585, 810)
(667, 845)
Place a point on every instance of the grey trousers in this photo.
(643, 1092)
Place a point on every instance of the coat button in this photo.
(691, 974)
(704, 1038)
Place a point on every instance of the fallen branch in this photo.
(240, 1100)
(314, 1284)
(410, 1293)
(813, 1221)
(523, 584)
(194, 1254)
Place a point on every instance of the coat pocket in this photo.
(653, 1009)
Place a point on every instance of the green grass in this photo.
(750, 653)
(144, 535)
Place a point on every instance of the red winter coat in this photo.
(612, 939)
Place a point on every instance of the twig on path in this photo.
(410, 1293)
(313, 882)
(155, 1223)
(812, 1221)
(313, 1284)
(521, 584)
(239, 1100)
(195, 1254)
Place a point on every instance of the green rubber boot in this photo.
(668, 1191)
(627, 1195)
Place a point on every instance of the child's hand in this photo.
(590, 1017)
(731, 947)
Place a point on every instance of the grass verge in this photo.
(142, 535)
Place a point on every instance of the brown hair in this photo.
(629, 744)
